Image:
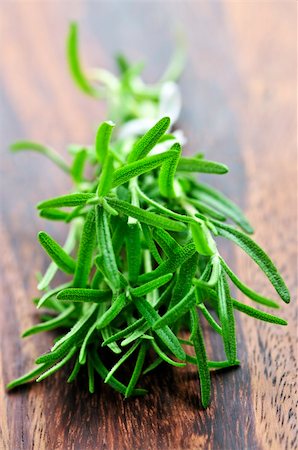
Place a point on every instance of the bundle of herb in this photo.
(140, 250)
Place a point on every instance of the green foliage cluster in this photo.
(140, 253)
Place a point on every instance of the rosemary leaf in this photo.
(74, 62)
(145, 216)
(68, 200)
(133, 251)
(84, 257)
(165, 357)
(105, 181)
(201, 165)
(202, 362)
(112, 312)
(136, 168)
(226, 316)
(65, 262)
(261, 315)
(246, 290)
(137, 370)
(102, 140)
(121, 361)
(106, 247)
(167, 173)
(103, 372)
(39, 148)
(151, 285)
(78, 164)
(75, 371)
(146, 143)
(165, 334)
(56, 322)
(84, 295)
(213, 198)
(58, 365)
(258, 255)
(178, 311)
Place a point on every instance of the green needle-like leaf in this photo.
(163, 209)
(222, 204)
(204, 208)
(90, 375)
(178, 311)
(39, 148)
(153, 366)
(125, 332)
(54, 214)
(209, 318)
(122, 360)
(203, 240)
(84, 258)
(184, 280)
(84, 295)
(112, 312)
(165, 357)
(170, 265)
(50, 273)
(102, 140)
(65, 262)
(167, 173)
(246, 290)
(150, 243)
(68, 200)
(83, 351)
(77, 329)
(133, 251)
(137, 370)
(118, 237)
(136, 168)
(113, 382)
(78, 164)
(167, 243)
(139, 333)
(75, 371)
(106, 247)
(28, 376)
(146, 143)
(151, 285)
(201, 165)
(107, 333)
(215, 270)
(74, 62)
(145, 216)
(258, 255)
(202, 362)
(58, 365)
(226, 316)
(261, 315)
(105, 181)
(51, 293)
(56, 322)
(165, 334)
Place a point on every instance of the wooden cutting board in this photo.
(239, 97)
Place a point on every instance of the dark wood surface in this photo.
(239, 91)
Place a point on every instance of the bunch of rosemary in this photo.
(140, 250)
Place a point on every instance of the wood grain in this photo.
(239, 106)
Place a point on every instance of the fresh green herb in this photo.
(64, 262)
(140, 252)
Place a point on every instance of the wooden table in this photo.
(239, 106)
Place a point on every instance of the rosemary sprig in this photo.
(141, 249)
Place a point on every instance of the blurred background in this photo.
(239, 92)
